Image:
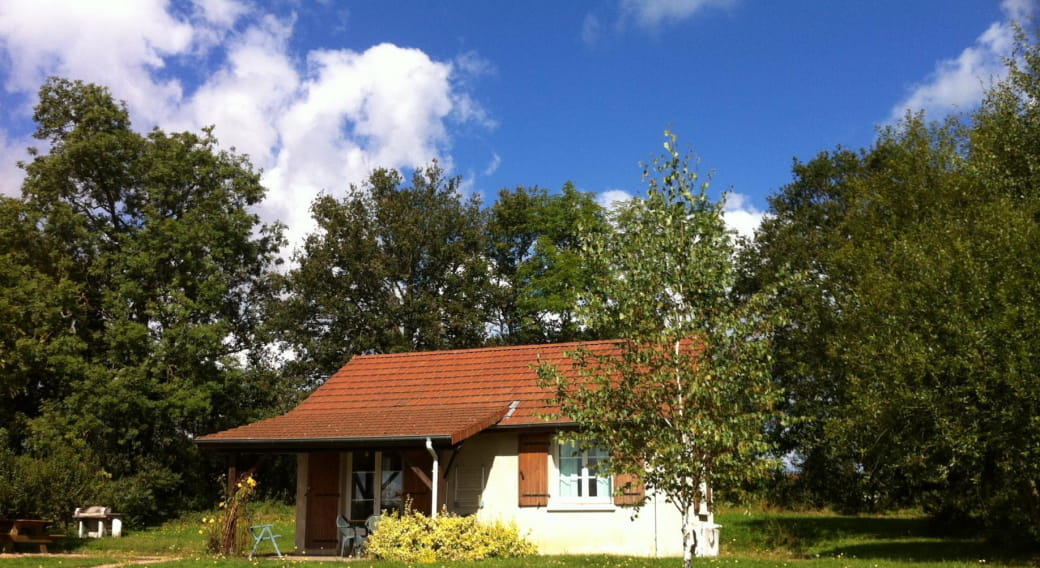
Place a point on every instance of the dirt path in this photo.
(131, 561)
(140, 560)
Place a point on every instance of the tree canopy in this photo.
(909, 358)
(391, 268)
(132, 272)
(539, 273)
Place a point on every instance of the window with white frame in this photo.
(580, 477)
(368, 497)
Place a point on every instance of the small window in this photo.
(581, 479)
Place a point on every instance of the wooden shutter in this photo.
(417, 485)
(628, 490)
(533, 460)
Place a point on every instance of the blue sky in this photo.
(508, 93)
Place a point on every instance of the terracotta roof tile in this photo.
(444, 394)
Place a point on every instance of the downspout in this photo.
(655, 527)
(436, 477)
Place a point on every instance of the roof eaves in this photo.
(298, 444)
(479, 425)
(548, 424)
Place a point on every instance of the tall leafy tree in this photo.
(136, 274)
(683, 405)
(39, 343)
(534, 245)
(392, 268)
(1005, 166)
(806, 234)
(910, 357)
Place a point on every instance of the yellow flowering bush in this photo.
(227, 530)
(412, 537)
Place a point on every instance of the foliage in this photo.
(47, 486)
(911, 352)
(684, 404)
(534, 245)
(415, 538)
(130, 286)
(401, 267)
(392, 268)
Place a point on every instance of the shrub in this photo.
(412, 537)
(47, 486)
(144, 497)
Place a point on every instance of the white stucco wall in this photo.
(604, 530)
(483, 479)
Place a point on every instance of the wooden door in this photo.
(322, 501)
(418, 487)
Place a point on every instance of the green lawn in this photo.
(750, 540)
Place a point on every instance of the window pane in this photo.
(570, 466)
(596, 456)
(569, 487)
(392, 483)
(600, 487)
(362, 495)
(570, 460)
(362, 485)
(570, 470)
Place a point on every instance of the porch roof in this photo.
(394, 399)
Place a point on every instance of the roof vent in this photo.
(512, 409)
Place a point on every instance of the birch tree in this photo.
(683, 404)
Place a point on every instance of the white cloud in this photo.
(611, 198)
(223, 13)
(213, 20)
(384, 107)
(117, 44)
(471, 65)
(465, 70)
(10, 174)
(1018, 10)
(651, 14)
(741, 215)
(315, 121)
(244, 98)
(960, 83)
(492, 167)
(591, 29)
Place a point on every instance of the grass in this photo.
(750, 540)
(887, 540)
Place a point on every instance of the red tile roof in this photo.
(447, 395)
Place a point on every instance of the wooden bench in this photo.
(24, 531)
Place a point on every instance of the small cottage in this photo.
(461, 430)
